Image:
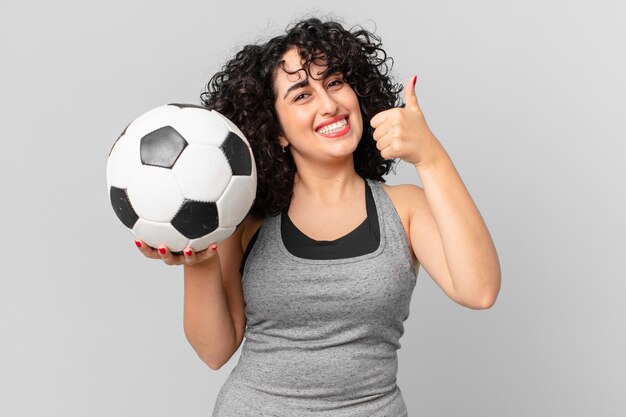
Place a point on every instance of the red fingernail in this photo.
(414, 80)
(214, 247)
(162, 251)
(138, 243)
(188, 252)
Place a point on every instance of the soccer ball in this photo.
(181, 175)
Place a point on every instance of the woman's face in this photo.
(320, 118)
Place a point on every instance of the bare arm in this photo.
(207, 320)
(213, 317)
(448, 234)
(465, 254)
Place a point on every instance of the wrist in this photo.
(434, 156)
(203, 265)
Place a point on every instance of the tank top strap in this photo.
(390, 220)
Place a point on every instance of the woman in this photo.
(320, 274)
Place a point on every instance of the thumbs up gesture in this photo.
(403, 132)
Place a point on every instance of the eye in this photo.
(335, 82)
(300, 96)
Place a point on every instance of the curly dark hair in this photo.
(244, 92)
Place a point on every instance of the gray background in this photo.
(527, 97)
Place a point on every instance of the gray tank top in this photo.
(322, 334)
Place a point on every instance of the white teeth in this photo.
(333, 127)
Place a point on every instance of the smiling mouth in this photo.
(333, 127)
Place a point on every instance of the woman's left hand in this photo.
(403, 132)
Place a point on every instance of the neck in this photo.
(327, 184)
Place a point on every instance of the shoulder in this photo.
(404, 197)
(232, 249)
(401, 189)
(250, 225)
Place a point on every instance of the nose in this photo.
(327, 104)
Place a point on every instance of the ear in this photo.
(283, 141)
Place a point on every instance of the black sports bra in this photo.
(360, 241)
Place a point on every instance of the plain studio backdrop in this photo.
(527, 98)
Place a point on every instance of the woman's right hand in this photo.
(190, 257)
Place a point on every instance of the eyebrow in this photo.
(297, 85)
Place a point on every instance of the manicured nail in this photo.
(162, 251)
(138, 243)
(414, 80)
(188, 252)
(213, 247)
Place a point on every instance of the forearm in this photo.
(207, 320)
(470, 253)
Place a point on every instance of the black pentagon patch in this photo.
(196, 219)
(122, 207)
(238, 154)
(162, 147)
(183, 106)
